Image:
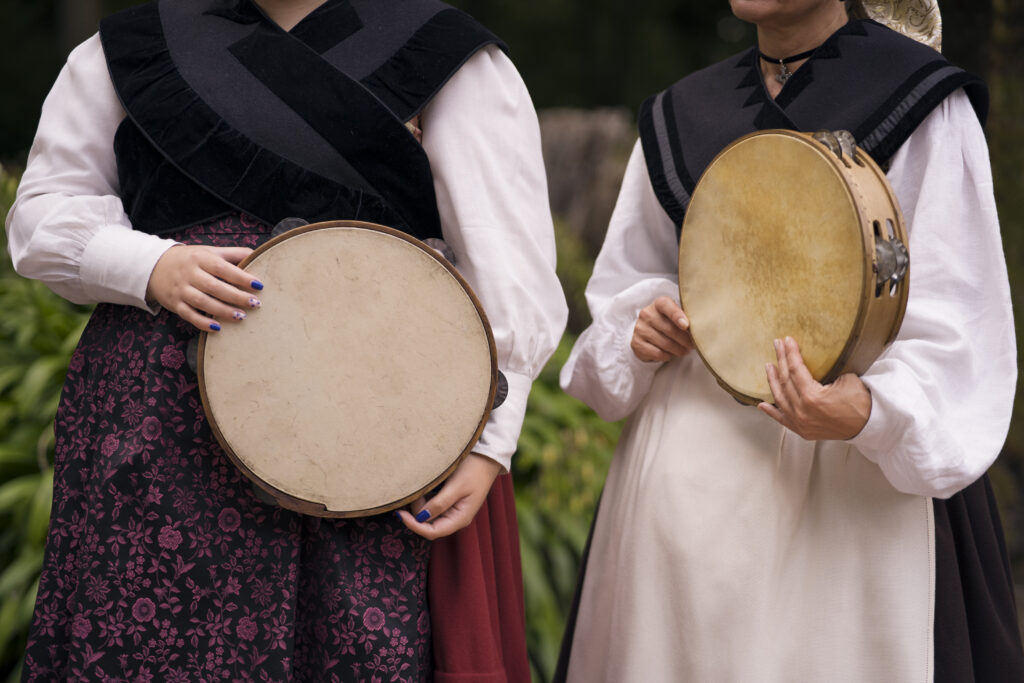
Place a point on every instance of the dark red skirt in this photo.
(475, 592)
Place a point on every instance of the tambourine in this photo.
(363, 380)
(792, 234)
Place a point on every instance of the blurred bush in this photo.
(38, 332)
(559, 469)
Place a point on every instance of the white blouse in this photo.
(942, 393)
(68, 227)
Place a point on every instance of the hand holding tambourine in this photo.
(791, 236)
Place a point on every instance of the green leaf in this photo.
(16, 494)
(20, 573)
(39, 512)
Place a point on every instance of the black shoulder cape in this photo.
(866, 78)
(227, 111)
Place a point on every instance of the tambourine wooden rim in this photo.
(283, 497)
(879, 313)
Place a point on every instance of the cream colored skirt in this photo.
(727, 549)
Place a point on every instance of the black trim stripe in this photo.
(884, 110)
(884, 141)
(671, 134)
(657, 161)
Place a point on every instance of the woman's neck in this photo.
(288, 13)
(783, 39)
(794, 35)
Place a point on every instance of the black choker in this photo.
(784, 73)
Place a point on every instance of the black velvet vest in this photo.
(866, 78)
(228, 112)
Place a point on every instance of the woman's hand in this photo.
(662, 331)
(815, 411)
(457, 502)
(196, 282)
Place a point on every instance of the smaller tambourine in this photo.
(792, 234)
(363, 380)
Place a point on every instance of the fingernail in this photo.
(256, 284)
(215, 327)
(423, 515)
(397, 514)
(238, 315)
(254, 302)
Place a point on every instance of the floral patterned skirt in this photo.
(161, 562)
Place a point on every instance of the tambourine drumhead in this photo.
(778, 240)
(361, 382)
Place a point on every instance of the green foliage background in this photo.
(38, 332)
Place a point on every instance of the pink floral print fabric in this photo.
(162, 564)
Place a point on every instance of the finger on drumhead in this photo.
(239, 299)
(234, 254)
(234, 275)
(795, 360)
(783, 364)
(785, 395)
(774, 385)
(662, 342)
(670, 328)
(647, 352)
(671, 311)
(216, 308)
(196, 319)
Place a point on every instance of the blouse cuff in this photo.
(501, 434)
(877, 430)
(117, 263)
(919, 465)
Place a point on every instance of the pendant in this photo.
(783, 74)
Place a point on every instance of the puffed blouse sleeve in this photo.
(637, 264)
(483, 140)
(67, 226)
(942, 393)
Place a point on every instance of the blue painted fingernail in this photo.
(215, 327)
(423, 515)
(238, 315)
(397, 514)
(254, 302)
(257, 285)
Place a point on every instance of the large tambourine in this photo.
(792, 234)
(363, 380)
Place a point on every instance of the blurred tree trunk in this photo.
(76, 21)
(1005, 130)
